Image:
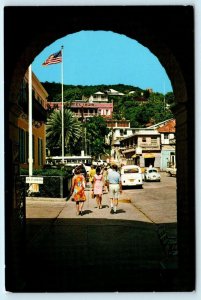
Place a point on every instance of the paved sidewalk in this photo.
(67, 209)
(94, 252)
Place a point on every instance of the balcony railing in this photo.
(39, 111)
(143, 146)
(86, 114)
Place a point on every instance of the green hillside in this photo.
(75, 92)
(141, 107)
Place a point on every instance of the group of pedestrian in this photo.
(100, 180)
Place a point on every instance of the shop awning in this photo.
(149, 155)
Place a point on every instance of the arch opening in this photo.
(167, 49)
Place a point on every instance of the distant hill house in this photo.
(98, 97)
(112, 92)
(96, 105)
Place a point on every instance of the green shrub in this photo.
(67, 171)
(55, 181)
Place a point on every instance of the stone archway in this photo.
(167, 32)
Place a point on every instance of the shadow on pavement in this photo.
(92, 255)
(87, 211)
(120, 211)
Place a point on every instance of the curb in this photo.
(45, 199)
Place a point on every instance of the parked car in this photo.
(152, 174)
(131, 175)
(172, 171)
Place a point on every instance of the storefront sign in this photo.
(38, 180)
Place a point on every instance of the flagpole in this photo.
(62, 106)
(30, 124)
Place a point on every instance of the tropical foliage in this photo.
(96, 130)
(141, 107)
(143, 111)
(72, 131)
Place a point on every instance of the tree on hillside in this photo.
(96, 130)
(140, 106)
(169, 98)
(72, 131)
(139, 113)
(75, 92)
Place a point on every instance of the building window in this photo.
(166, 136)
(22, 146)
(33, 147)
(144, 139)
(40, 151)
(153, 141)
(23, 95)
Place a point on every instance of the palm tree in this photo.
(72, 129)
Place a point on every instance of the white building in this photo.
(98, 97)
(168, 144)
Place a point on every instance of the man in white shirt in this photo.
(115, 187)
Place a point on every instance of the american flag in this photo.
(53, 59)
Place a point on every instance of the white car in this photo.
(152, 174)
(172, 171)
(131, 175)
(100, 163)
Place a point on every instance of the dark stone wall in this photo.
(168, 32)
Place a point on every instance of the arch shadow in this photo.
(96, 255)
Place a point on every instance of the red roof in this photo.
(168, 127)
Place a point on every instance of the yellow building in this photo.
(39, 107)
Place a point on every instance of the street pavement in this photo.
(95, 252)
(65, 210)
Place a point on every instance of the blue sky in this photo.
(103, 57)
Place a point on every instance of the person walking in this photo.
(98, 187)
(77, 190)
(115, 187)
(92, 172)
(105, 173)
(83, 170)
